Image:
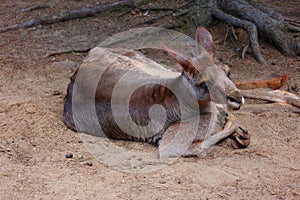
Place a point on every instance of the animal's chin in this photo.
(233, 105)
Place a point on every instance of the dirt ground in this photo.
(34, 140)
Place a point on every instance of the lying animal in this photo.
(190, 122)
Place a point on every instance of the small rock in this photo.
(56, 93)
(80, 156)
(21, 137)
(69, 155)
(89, 163)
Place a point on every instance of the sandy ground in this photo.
(34, 140)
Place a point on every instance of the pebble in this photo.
(89, 163)
(56, 93)
(69, 155)
(21, 137)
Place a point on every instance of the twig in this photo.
(292, 21)
(149, 21)
(126, 11)
(67, 51)
(226, 35)
(227, 60)
(183, 12)
(159, 8)
(233, 32)
(292, 28)
(36, 7)
(244, 51)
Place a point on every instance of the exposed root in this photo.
(278, 96)
(267, 107)
(270, 25)
(249, 27)
(275, 15)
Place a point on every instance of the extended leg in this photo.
(188, 143)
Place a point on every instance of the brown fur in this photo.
(149, 94)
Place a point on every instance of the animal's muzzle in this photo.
(235, 100)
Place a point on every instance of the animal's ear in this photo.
(204, 38)
(181, 60)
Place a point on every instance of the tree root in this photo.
(248, 26)
(261, 108)
(278, 96)
(73, 14)
(269, 24)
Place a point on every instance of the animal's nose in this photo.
(235, 100)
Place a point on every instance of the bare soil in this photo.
(34, 140)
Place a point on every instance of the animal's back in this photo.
(107, 68)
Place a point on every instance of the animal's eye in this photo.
(229, 74)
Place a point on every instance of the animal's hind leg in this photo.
(185, 138)
(241, 138)
(240, 135)
(187, 143)
(175, 142)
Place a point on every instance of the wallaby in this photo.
(191, 82)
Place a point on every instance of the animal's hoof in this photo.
(241, 138)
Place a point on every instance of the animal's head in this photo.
(208, 76)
